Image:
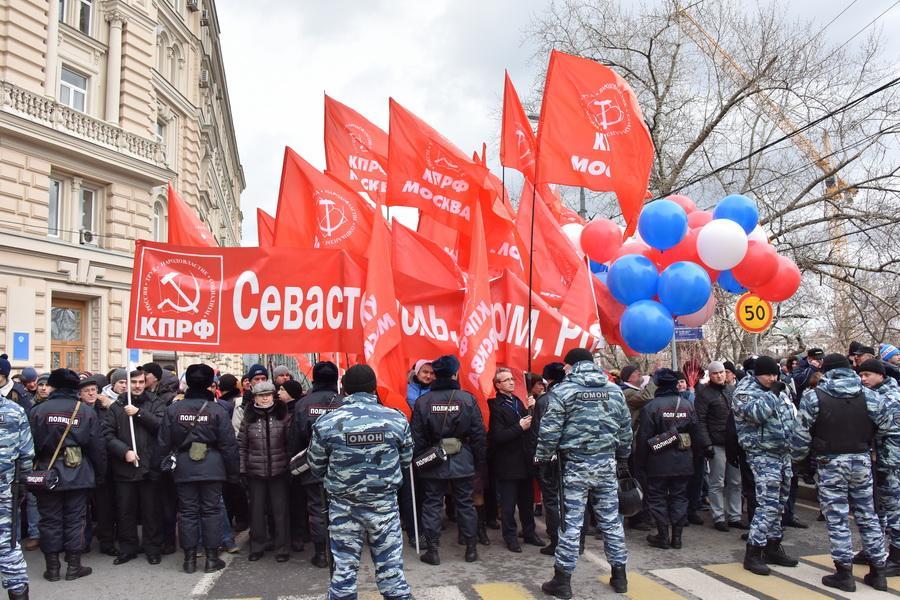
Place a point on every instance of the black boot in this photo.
(483, 538)
(319, 559)
(618, 581)
(430, 556)
(892, 566)
(75, 570)
(190, 560)
(676, 537)
(875, 578)
(471, 551)
(661, 539)
(753, 560)
(22, 595)
(213, 562)
(860, 558)
(550, 549)
(560, 586)
(51, 559)
(842, 578)
(775, 555)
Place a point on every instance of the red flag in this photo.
(443, 235)
(518, 146)
(579, 304)
(185, 227)
(355, 149)
(477, 343)
(426, 171)
(592, 134)
(265, 229)
(315, 210)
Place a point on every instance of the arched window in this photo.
(159, 222)
(162, 50)
(175, 62)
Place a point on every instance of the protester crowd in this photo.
(147, 461)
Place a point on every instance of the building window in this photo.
(160, 132)
(175, 66)
(88, 210)
(159, 222)
(62, 11)
(73, 90)
(55, 206)
(85, 12)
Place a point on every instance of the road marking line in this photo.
(700, 584)
(813, 576)
(858, 570)
(774, 587)
(208, 580)
(597, 560)
(642, 587)
(502, 591)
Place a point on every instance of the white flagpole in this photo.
(130, 419)
(337, 360)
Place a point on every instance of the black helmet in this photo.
(631, 498)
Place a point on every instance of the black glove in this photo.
(622, 471)
(709, 452)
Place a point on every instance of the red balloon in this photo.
(699, 218)
(758, 267)
(783, 285)
(601, 239)
(684, 202)
(633, 247)
(685, 250)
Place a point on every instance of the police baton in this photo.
(412, 489)
(560, 491)
(329, 558)
(16, 509)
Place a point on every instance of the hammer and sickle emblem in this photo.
(191, 306)
(326, 225)
(608, 113)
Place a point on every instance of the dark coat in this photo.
(320, 401)
(227, 401)
(213, 428)
(22, 397)
(117, 433)
(166, 388)
(510, 448)
(712, 405)
(659, 416)
(48, 421)
(263, 441)
(436, 417)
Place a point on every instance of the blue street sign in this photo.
(688, 334)
(21, 345)
(134, 355)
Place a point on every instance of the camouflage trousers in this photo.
(772, 477)
(888, 482)
(12, 563)
(350, 525)
(597, 474)
(845, 483)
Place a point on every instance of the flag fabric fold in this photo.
(265, 229)
(355, 150)
(185, 227)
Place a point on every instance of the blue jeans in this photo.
(31, 511)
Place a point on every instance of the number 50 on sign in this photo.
(753, 313)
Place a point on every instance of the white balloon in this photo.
(700, 317)
(758, 235)
(573, 232)
(722, 244)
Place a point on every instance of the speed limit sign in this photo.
(753, 313)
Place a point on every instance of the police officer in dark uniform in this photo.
(321, 400)
(199, 431)
(547, 474)
(80, 464)
(450, 418)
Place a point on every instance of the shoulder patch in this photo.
(444, 407)
(61, 419)
(364, 438)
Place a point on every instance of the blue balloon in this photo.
(598, 267)
(728, 283)
(631, 278)
(740, 209)
(662, 224)
(602, 276)
(647, 326)
(684, 288)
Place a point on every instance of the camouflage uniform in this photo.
(15, 444)
(359, 450)
(845, 480)
(588, 421)
(764, 421)
(887, 467)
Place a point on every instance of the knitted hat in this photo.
(325, 372)
(31, 374)
(555, 371)
(445, 366)
(63, 379)
(887, 352)
(118, 375)
(228, 383)
(577, 355)
(419, 364)
(199, 377)
(42, 378)
(729, 366)
(715, 367)
(263, 387)
(627, 372)
(257, 370)
(359, 378)
(5, 367)
(835, 361)
(765, 365)
(293, 388)
(280, 370)
(154, 369)
(873, 365)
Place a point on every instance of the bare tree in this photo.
(719, 83)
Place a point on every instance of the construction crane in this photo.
(836, 189)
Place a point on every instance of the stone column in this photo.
(114, 66)
(50, 68)
(74, 222)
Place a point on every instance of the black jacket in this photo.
(48, 422)
(659, 416)
(510, 448)
(166, 388)
(263, 441)
(712, 405)
(320, 401)
(448, 412)
(22, 397)
(117, 434)
(213, 428)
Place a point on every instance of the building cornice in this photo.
(174, 98)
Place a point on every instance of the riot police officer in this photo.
(359, 451)
(80, 464)
(449, 419)
(199, 433)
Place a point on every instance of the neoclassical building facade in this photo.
(102, 103)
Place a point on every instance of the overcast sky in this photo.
(442, 59)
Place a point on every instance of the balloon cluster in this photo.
(681, 252)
